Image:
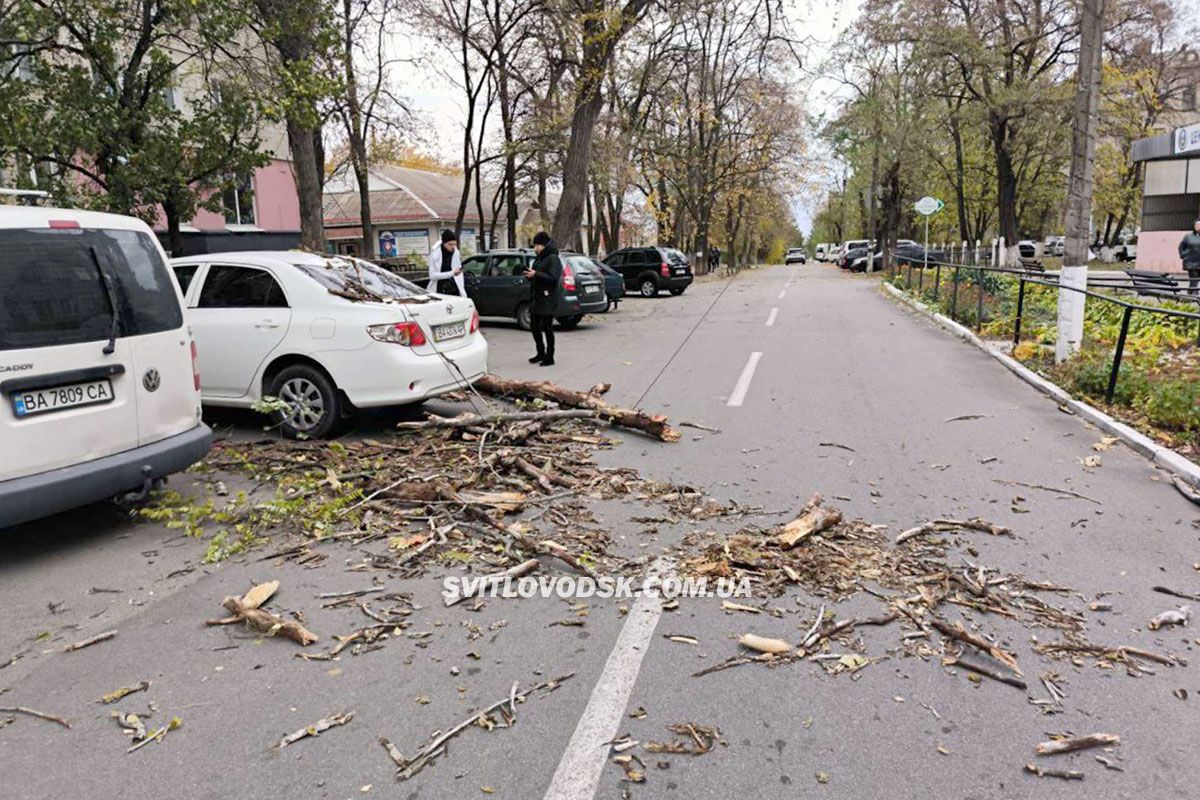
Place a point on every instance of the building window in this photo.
(1187, 99)
(238, 201)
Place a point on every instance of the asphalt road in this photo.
(816, 382)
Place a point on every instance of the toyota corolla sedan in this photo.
(324, 335)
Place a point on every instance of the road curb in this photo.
(1140, 443)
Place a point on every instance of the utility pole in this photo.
(1083, 133)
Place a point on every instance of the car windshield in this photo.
(53, 292)
(356, 279)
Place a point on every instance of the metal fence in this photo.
(982, 277)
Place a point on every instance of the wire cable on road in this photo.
(637, 403)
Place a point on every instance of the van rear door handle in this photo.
(266, 323)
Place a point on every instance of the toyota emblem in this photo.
(151, 380)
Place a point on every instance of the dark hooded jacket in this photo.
(1189, 251)
(545, 288)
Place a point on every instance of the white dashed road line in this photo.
(782, 293)
(771, 317)
(579, 771)
(743, 383)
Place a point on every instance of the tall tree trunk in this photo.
(1083, 133)
(174, 235)
(960, 195)
(1001, 130)
(305, 157)
(579, 152)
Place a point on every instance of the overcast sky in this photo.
(438, 102)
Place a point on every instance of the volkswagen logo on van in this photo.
(151, 380)
(449, 308)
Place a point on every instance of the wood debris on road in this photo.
(316, 729)
(33, 712)
(100, 637)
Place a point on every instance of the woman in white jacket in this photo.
(445, 267)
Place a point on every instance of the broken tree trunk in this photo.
(813, 519)
(655, 425)
(1070, 745)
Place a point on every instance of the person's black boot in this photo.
(537, 358)
(548, 361)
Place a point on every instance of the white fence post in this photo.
(1070, 312)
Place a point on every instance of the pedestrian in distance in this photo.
(1189, 254)
(545, 290)
(714, 258)
(445, 267)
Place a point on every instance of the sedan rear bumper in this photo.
(46, 493)
(390, 375)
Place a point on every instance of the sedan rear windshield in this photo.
(356, 279)
(53, 289)
(581, 264)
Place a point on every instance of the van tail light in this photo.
(64, 224)
(568, 278)
(408, 334)
(195, 369)
(665, 270)
(474, 321)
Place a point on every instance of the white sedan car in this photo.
(325, 335)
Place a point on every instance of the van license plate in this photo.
(449, 331)
(57, 398)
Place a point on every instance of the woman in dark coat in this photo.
(545, 290)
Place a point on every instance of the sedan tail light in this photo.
(408, 334)
(665, 270)
(568, 278)
(474, 321)
(195, 369)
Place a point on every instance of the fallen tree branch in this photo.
(524, 568)
(655, 425)
(100, 637)
(33, 712)
(1065, 774)
(437, 747)
(269, 623)
(471, 420)
(963, 635)
(1053, 489)
(1070, 745)
(318, 727)
(987, 672)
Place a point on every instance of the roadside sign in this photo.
(928, 205)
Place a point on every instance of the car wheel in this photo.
(648, 288)
(677, 292)
(314, 407)
(570, 323)
(524, 317)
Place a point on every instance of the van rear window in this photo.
(52, 291)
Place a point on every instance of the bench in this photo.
(1032, 264)
(1149, 282)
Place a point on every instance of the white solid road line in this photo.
(771, 317)
(579, 771)
(743, 383)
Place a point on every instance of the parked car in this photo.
(323, 334)
(795, 255)
(846, 247)
(614, 284)
(823, 251)
(649, 270)
(1054, 246)
(99, 395)
(909, 252)
(855, 259)
(1027, 248)
(495, 280)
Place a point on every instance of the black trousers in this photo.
(543, 334)
(1193, 279)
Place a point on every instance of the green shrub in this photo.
(1173, 404)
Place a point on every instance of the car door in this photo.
(240, 316)
(619, 261)
(475, 271)
(512, 287)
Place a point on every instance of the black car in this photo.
(648, 270)
(614, 284)
(496, 283)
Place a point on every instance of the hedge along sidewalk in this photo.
(1158, 454)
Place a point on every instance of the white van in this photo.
(99, 394)
(823, 250)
